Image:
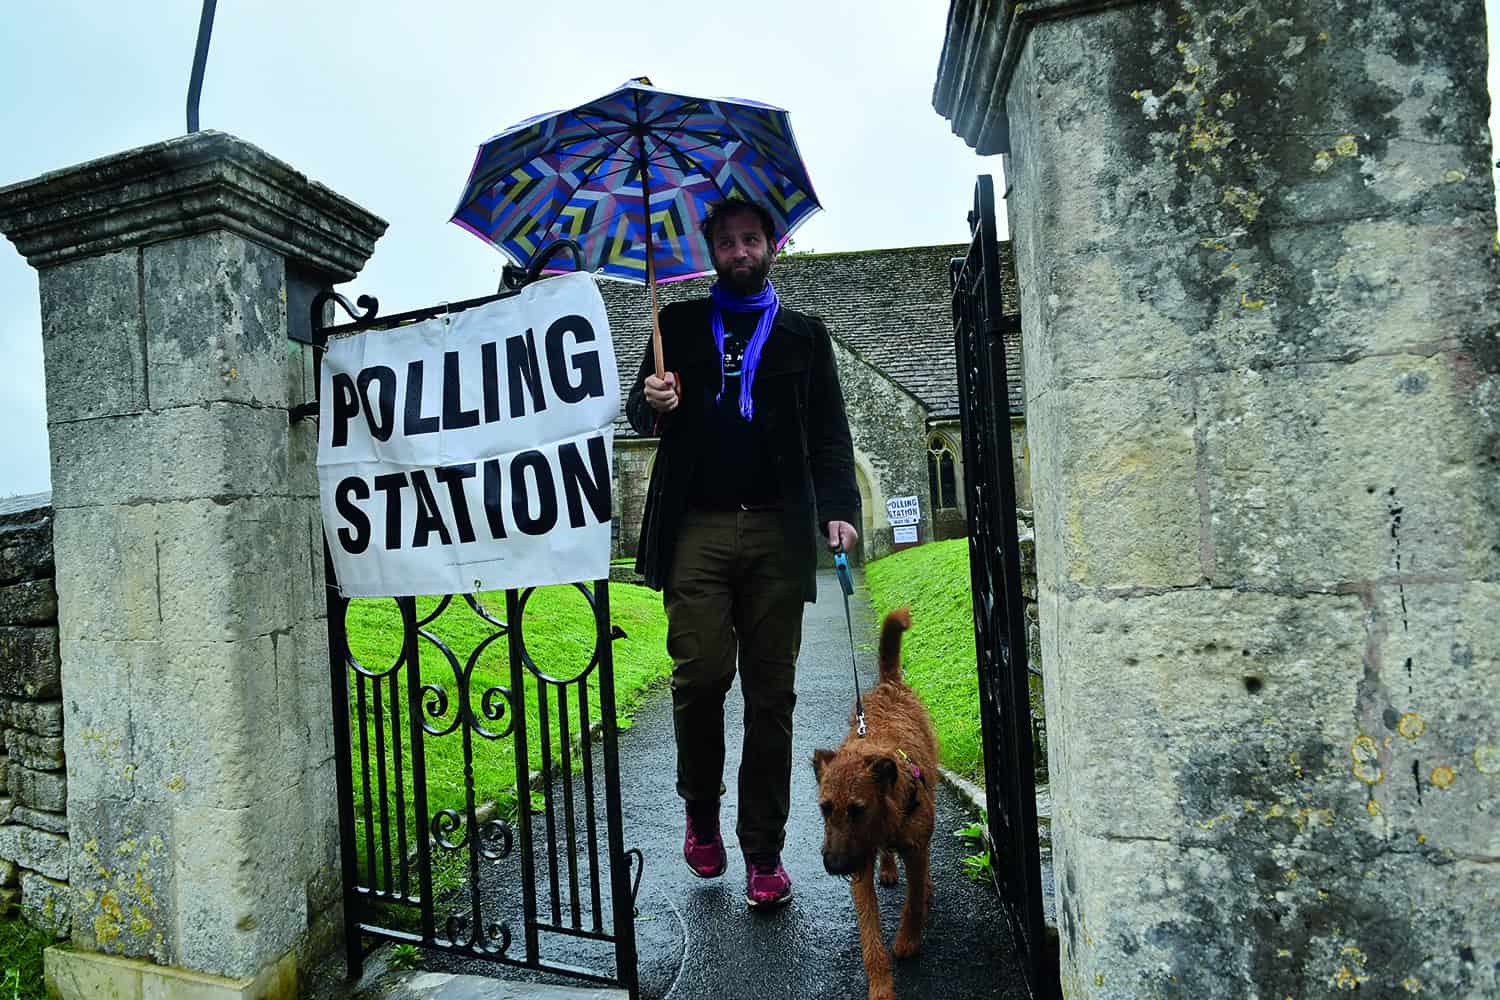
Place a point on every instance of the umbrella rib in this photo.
(563, 148)
(708, 140)
(588, 172)
(520, 224)
(624, 129)
(663, 137)
(603, 158)
(665, 133)
(679, 155)
(696, 102)
(683, 154)
(691, 149)
(567, 144)
(728, 131)
(586, 110)
(584, 180)
(492, 176)
(622, 168)
(683, 151)
(592, 169)
(488, 178)
(619, 147)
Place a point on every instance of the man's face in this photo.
(742, 257)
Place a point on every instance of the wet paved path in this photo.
(696, 938)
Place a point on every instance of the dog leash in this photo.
(846, 583)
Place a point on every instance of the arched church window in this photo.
(941, 478)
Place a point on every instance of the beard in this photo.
(747, 280)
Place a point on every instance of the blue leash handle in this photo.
(841, 569)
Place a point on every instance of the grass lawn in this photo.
(21, 948)
(938, 652)
(558, 629)
(933, 580)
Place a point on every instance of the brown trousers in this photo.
(730, 596)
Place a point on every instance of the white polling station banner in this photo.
(472, 451)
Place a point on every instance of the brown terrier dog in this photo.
(876, 792)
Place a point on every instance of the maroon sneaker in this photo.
(767, 884)
(703, 848)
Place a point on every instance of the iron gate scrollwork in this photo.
(387, 716)
(980, 324)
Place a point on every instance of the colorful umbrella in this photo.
(589, 174)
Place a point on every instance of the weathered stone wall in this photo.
(1020, 456)
(947, 522)
(34, 850)
(200, 807)
(194, 650)
(632, 475)
(1031, 613)
(1256, 247)
(888, 427)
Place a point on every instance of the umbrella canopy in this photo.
(589, 174)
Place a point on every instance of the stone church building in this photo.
(890, 314)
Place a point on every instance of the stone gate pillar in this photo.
(200, 781)
(1256, 246)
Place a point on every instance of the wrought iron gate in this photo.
(478, 880)
(995, 576)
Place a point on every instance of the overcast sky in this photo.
(386, 100)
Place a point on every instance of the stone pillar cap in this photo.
(980, 50)
(191, 184)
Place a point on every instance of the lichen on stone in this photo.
(1411, 725)
(1247, 203)
(1487, 759)
(1366, 756)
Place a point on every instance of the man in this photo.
(754, 460)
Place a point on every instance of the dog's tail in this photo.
(896, 622)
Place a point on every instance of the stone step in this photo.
(446, 986)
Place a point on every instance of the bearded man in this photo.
(754, 462)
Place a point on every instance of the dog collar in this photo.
(915, 770)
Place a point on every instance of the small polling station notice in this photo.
(903, 510)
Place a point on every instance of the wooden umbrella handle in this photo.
(661, 367)
(640, 150)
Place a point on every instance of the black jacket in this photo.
(796, 390)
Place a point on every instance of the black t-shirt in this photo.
(735, 467)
